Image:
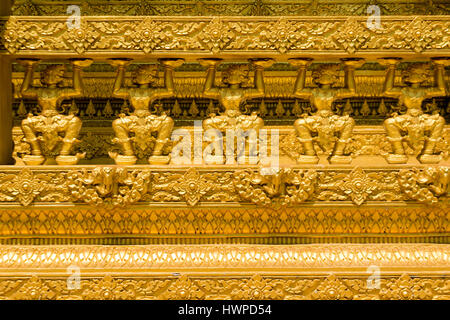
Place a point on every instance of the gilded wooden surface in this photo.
(148, 225)
(228, 35)
(364, 176)
(264, 272)
(119, 186)
(228, 7)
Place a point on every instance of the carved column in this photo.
(6, 115)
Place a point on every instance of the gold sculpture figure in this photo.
(234, 94)
(330, 131)
(45, 131)
(420, 131)
(134, 132)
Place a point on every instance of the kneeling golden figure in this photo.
(420, 131)
(234, 94)
(45, 131)
(134, 132)
(331, 132)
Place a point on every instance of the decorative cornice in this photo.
(227, 35)
(223, 224)
(348, 258)
(256, 287)
(125, 186)
(229, 7)
(252, 272)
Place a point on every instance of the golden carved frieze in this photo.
(25, 186)
(108, 185)
(228, 7)
(269, 257)
(256, 287)
(293, 35)
(204, 225)
(285, 187)
(122, 186)
(41, 270)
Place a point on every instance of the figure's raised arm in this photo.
(350, 64)
(259, 89)
(441, 88)
(208, 89)
(169, 73)
(299, 88)
(120, 91)
(77, 90)
(388, 89)
(27, 90)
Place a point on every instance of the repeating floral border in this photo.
(223, 225)
(227, 7)
(420, 34)
(269, 257)
(256, 287)
(124, 186)
(38, 272)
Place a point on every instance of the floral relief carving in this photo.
(352, 35)
(34, 288)
(285, 187)
(282, 35)
(27, 187)
(358, 186)
(119, 186)
(230, 8)
(406, 288)
(256, 287)
(222, 221)
(427, 185)
(216, 35)
(224, 34)
(81, 39)
(192, 187)
(108, 185)
(148, 35)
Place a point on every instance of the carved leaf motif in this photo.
(146, 34)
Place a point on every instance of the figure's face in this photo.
(325, 78)
(236, 76)
(145, 76)
(413, 78)
(415, 74)
(54, 76)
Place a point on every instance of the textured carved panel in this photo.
(298, 258)
(119, 186)
(143, 35)
(224, 225)
(228, 7)
(256, 287)
(47, 278)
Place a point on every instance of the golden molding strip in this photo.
(408, 286)
(228, 7)
(112, 36)
(223, 224)
(119, 186)
(252, 272)
(276, 259)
